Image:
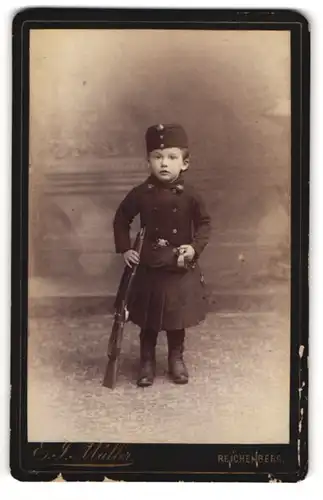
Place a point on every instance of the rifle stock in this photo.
(114, 350)
(120, 318)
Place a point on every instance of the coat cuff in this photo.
(122, 247)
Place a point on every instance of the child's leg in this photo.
(177, 368)
(148, 339)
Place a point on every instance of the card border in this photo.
(25, 464)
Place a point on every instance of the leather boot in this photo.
(176, 365)
(148, 339)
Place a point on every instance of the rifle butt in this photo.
(114, 348)
(111, 373)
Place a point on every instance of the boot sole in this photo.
(144, 384)
(180, 382)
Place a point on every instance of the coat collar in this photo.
(176, 186)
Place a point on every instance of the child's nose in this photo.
(164, 162)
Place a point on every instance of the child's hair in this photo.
(185, 153)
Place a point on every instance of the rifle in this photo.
(121, 317)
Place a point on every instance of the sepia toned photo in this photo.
(159, 233)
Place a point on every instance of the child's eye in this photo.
(173, 157)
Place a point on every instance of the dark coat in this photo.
(164, 296)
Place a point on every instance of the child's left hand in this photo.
(187, 252)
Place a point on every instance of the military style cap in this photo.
(166, 136)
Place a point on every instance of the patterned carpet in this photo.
(238, 390)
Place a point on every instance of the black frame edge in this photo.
(18, 257)
(117, 14)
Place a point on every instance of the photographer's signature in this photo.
(110, 455)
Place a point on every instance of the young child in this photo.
(168, 289)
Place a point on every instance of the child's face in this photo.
(166, 164)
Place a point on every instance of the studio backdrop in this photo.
(93, 93)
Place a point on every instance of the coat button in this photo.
(174, 209)
(155, 209)
(174, 231)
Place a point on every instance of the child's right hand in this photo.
(131, 257)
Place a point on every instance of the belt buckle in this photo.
(161, 242)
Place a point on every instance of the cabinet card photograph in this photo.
(160, 242)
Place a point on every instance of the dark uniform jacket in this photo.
(173, 215)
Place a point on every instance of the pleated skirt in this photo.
(166, 300)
